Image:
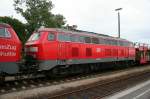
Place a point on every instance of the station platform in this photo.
(140, 91)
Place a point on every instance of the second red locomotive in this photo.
(62, 51)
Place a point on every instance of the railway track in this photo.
(102, 89)
(99, 89)
(27, 84)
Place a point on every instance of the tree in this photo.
(18, 26)
(38, 13)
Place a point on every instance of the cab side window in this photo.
(51, 36)
(4, 33)
(63, 37)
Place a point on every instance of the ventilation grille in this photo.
(88, 52)
(75, 52)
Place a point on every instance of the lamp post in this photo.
(118, 9)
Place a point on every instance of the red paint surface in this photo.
(10, 48)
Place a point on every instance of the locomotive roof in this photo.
(82, 32)
(4, 25)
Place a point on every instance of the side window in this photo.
(107, 41)
(63, 37)
(101, 41)
(116, 43)
(51, 36)
(95, 40)
(122, 43)
(104, 41)
(73, 38)
(87, 40)
(4, 33)
(119, 43)
(113, 42)
(81, 39)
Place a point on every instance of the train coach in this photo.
(62, 51)
(10, 50)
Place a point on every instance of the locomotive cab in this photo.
(41, 49)
(10, 50)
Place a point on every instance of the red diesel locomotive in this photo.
(64, 51)
(10, 50)
(58, 51)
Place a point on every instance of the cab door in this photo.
(62, 50)
(63, 46)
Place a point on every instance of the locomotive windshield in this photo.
(34, 37)
(4, 32)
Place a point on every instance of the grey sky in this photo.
(99, 16)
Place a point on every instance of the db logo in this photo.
(98, 50)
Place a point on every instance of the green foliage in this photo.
(17, 26)
(38, 13)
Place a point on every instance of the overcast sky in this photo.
(100, 16)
